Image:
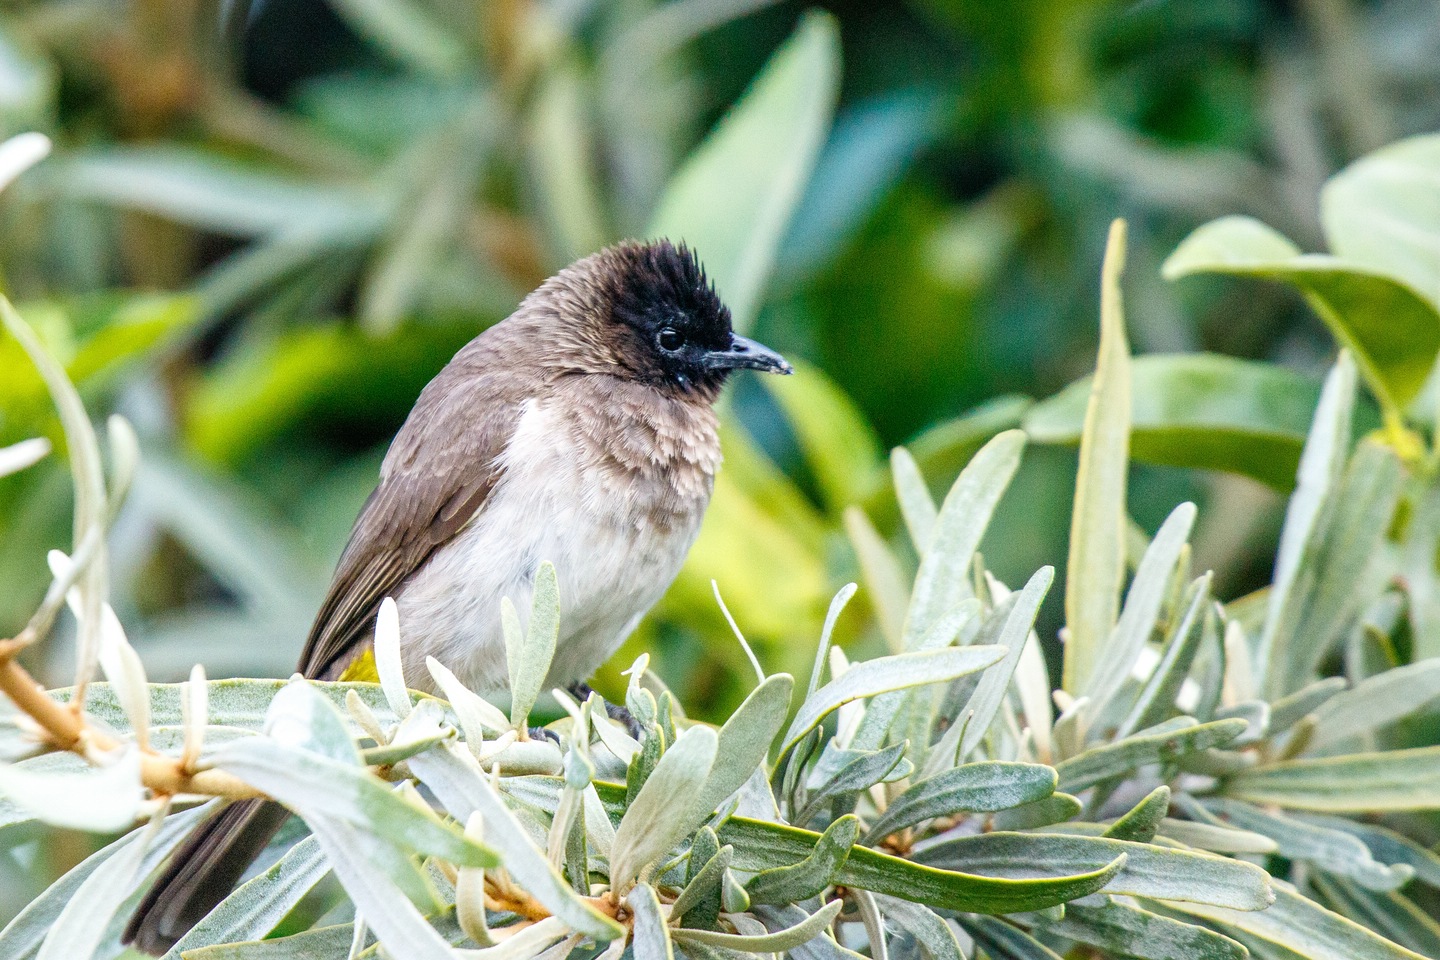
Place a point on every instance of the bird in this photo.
(580, 430)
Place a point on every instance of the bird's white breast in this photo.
(558, 501)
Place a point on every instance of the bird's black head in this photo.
(674, 330)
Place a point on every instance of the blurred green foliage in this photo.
(268, 224)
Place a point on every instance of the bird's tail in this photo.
(203, 872)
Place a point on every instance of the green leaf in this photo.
(732, 199)
(839, 444)
(974, 787)
(1291, 709)
(1214, 837)
(1140, 824)
(1391, 329)
(884, 674)
(1374, 703)
(764, 846)
(786, 939)
(1115, 759)
(1364, 782)
(1200, 410)
(256, 908)
(1097, 528)
(651, 936)
(1332, 850)
(667, 808)
(1149, 871)
(529, 662)
(1303, 926)
(1371, 217)
(744, 741)
(82, 921)
(1132, 932)
(943, 579)
(99, 799)
(810, 876)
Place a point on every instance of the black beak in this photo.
(745, 353)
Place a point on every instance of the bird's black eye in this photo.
(671, 340)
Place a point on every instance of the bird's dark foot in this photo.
(581, 692)
(621, 715)
(541, 733)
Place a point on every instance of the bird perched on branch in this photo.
(579, 430)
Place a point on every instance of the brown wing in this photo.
(438, 473)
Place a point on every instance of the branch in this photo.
(66, 728)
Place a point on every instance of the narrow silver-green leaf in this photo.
(1385, 845)
(1148, 591)
(1302, 926)
(651, 934)
(1097, 528)
(1331, 850)
(456, 779)
(1114, 759)
(974, 787)
(929, 929)
(257, 906)
(667, 807)
(944, 575)
(744, 741)
(1003, 941)
(1142, 821)
(885, 674)
(314, 785)
(704, 883)
(1353, 783)
(1374, 703)
(1130, 931)
(1010, 633)
(916, 505)
(1149, 871)
(530, 663)
(1320, 466)
(786, 939)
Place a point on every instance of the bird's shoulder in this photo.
(441, 467)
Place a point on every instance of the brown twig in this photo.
(66, 728)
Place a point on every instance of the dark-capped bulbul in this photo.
(578, 430)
